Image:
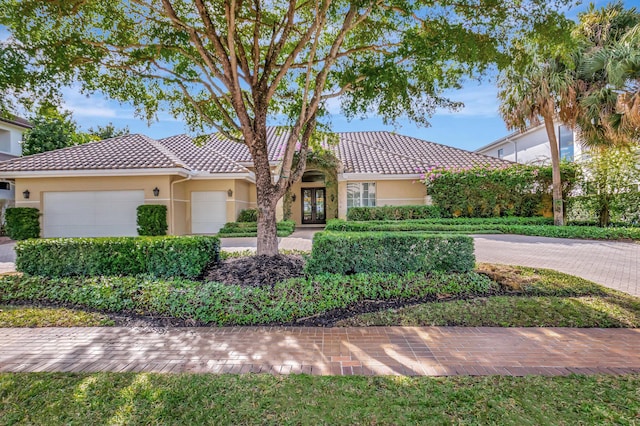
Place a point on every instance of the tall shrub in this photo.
(152, 220)
(518, 190)
(22, 222)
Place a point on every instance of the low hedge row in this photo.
(414, 225)
(393, 212)
(158, 256)
(352, 253)
(250, 229)
(580, 232)
(225, 305)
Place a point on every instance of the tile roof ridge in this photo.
(166, 152)
(226, 157)
(408, 157)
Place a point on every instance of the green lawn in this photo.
(143, 399)
(536, 298)
(32, 316)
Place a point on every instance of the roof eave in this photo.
(377, 176)
(93, 172)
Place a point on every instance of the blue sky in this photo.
(477, 124)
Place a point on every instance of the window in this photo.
(501, 153)
(566, 143)
(6, 186)
(361, 194)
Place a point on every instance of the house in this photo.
(532, 145)
(94, 189)
(11, 130)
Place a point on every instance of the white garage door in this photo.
(208, 211)
(91, 213)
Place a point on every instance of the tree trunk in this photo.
(267, 228)
(558, 210)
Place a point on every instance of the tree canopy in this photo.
(236, 65)
(51, 130)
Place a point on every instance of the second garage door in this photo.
(208, 211)
(91, 213)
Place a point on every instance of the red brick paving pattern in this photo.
(431, 351)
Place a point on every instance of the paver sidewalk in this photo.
(432, 351)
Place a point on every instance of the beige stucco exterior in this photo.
(175, 193)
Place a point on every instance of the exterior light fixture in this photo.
(26, 194)
(156, 191)
(230, 193)
(333, 198)
(293, 198)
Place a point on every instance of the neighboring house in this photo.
(11, 130)
(94, 189)
(532, 146)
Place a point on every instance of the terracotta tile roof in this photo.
(123, 152)
(359, 152)
(201, 158)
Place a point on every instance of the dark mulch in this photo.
(256, 271)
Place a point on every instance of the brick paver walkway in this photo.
(430, 351)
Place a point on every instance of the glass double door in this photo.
(314, 205)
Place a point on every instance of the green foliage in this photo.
(248, 215)
(157, 256)
(352, 253)
(539, 227)
(517, 190)
(22, 222)
(51, 130)
(224, 305)
(250, 229)
(152, 220)
(611, 177)
(393, 213)
(107, 132)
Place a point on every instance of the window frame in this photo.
(371, 199)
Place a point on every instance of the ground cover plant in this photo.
(532, 298)
(140, 399)
(34, 316)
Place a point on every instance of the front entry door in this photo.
(313, 205)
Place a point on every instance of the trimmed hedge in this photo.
(352, 253)
(480, 227)
(250, 229)
(22, 223)
(152, 220)
(393, 212)
(157, 256)
(431, 224)
(248, 215)
(225, 305)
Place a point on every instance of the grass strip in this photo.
(142, 399)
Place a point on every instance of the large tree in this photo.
(237, 65)
(52, 129)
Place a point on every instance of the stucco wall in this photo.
(532, 147)
(388, 193)
(10, 138)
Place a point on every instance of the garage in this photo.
(208, 211)
(91, 213)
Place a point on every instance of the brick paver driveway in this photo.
(609, 263)
(432, 351)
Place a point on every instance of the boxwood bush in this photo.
(248, 215)
(387, 252)
(250, 229)
(393, 212)
(157, 256)
(152, 220)
(22, 222)
(224, 305)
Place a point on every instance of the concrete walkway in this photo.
(430, 351)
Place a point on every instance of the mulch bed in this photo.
(256, 271)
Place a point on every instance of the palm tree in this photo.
(542, 91)
(609, 69)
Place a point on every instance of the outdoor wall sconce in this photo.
(230, 193)
(156, 191)
(293, 198)
(333, 197)
(26, 194)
